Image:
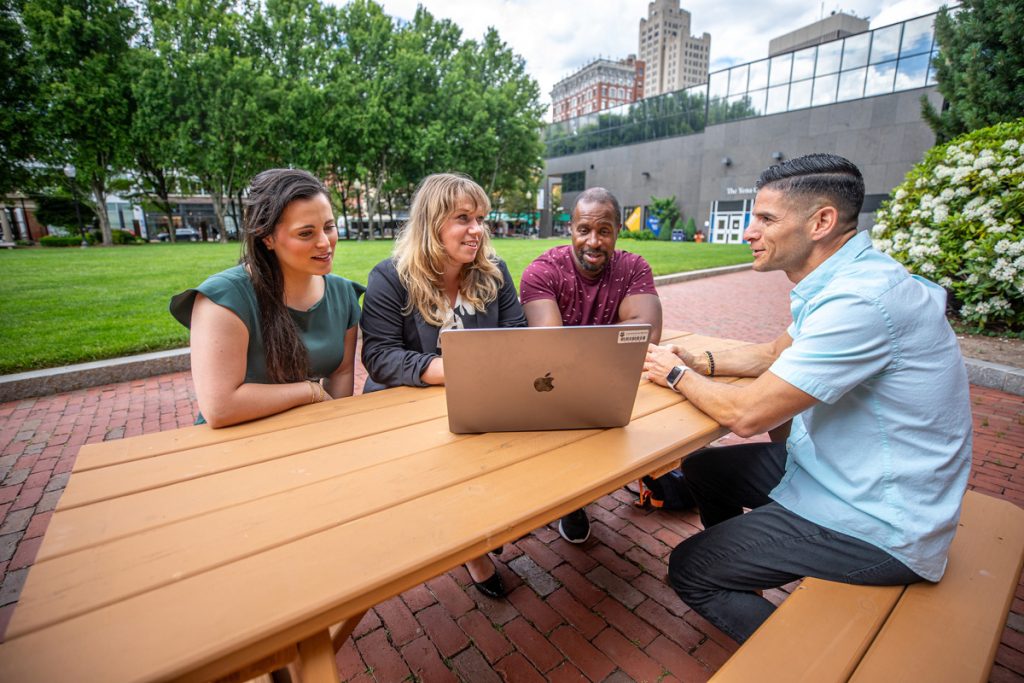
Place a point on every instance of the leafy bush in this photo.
(641, 235)
(124, 237)
(958, 219)
(57, 241)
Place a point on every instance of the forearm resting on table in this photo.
(758, 407)
(752, 360)
(252, 401)
(434, 374)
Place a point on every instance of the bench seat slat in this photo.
(818, 634)
(949, 631)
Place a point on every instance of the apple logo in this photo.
(544, 383)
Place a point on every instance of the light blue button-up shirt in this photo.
(885, 455)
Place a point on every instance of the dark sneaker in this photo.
(575, 527)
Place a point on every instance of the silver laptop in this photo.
(517, 379)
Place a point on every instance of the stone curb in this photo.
(85, 375)
(698, 274)
(995, 376)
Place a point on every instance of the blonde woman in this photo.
(442, 275)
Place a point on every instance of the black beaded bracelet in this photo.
(711, 364)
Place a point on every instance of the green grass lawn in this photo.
(62, 306)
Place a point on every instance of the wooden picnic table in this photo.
(196, 554)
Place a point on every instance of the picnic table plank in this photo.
(114, 500)
(268, 598)
(97, 484)
(118, 451)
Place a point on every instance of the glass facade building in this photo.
(877, 62)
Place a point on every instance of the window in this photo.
(574, 182)
(917, 36)
(855, 51)
(885, 44)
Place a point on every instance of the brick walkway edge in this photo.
(597, 612)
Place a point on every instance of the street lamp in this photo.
(70, 171)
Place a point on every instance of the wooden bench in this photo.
(947, 631)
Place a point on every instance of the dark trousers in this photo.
(716, 571)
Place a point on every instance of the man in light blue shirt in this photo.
(868, 487)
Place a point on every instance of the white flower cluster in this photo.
(985, 308)
(959, 219)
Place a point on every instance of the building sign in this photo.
(740, 190)
(633, 221)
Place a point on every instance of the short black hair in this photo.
(824, 176)
(599, 195)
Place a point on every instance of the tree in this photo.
(690, 229)
(85, 85)
(666, 210)
(20, 135)
(979, 68)
(495, 115)
(224, 101)
(154, 132)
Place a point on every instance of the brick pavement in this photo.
(600, 612)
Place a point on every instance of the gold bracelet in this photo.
(312, 391)
(711, 364)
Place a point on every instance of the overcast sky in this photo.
(557, 37)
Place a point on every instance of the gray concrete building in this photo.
(859, 97)
(837, 25)
(673, 57)
(712, 173)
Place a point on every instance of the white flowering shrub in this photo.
(958, 219)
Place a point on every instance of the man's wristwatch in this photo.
(673, 376)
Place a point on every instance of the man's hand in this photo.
(661, 359)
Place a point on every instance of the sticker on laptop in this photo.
(633, 336)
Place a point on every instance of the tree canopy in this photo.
(980, 66)
(206, 93)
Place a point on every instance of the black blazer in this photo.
(397, 347)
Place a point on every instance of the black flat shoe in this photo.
(492, 587)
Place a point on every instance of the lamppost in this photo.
(70, 171)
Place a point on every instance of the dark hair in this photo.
(824, 176)
(599, 195)
(269, 193)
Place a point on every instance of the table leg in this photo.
(316, 657)
(341, 631)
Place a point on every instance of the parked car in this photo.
(181, 235)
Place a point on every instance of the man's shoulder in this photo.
(868, 277)
(555, 259)
(555, 256)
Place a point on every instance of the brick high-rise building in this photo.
(674, 59)
(599, 85)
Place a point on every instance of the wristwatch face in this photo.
(673, 375)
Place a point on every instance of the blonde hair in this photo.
(420, 257)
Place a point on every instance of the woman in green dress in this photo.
(278, 330)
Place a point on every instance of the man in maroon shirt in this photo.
(589, 282)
